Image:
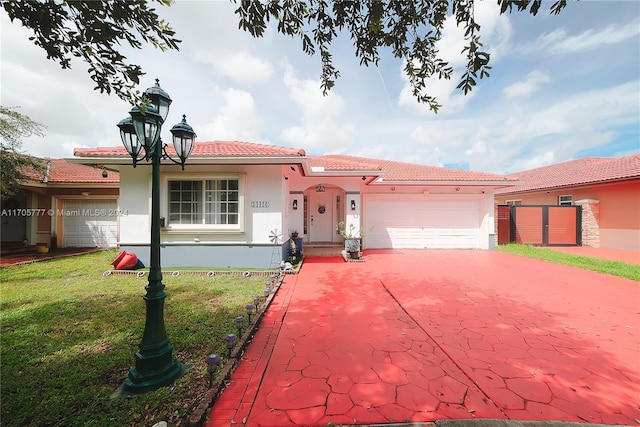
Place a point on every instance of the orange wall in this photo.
(619, 203)
(619, 207)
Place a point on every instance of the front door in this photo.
(321, 216)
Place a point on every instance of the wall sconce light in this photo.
(320, 188)
(286, 178)
(212, 361)
(105, 174)
(295, 204)
(364, 178)
(162, 222)
(239, 321)
(231, 342)
(353, 205)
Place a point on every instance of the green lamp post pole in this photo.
(155, 365)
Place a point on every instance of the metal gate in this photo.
(540, 225)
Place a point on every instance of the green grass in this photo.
(69, 335)
(615, 268)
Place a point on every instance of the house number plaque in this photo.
(259, 204)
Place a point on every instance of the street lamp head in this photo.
(184, 139)
(159, 98)
(129, 139)
(147, 124)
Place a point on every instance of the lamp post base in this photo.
(152, 372)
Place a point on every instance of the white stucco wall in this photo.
(135, 199)
(261, 203)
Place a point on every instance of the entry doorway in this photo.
(324, 208)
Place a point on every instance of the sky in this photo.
(562, 87)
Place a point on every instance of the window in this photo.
(513, 202)
(565, 200)
(207, 202)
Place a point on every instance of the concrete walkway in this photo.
(418, 336)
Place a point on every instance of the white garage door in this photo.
(90, 223)
(422, 223)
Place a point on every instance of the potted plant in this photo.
(352, 239)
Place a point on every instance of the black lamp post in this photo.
(140, 134)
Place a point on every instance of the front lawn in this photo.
(615, 268)
(69, 335)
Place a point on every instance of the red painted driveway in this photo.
(423, 335)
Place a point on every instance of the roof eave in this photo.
(478, 183)
(70, 184)
(215, 160)
(347, 173)
(245, 160)
(570, 186)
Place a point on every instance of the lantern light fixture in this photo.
(250, 310)
(140, 133)
(212, 361)
(239, 321)
(159, 99)
(230, 339)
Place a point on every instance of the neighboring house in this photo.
(232, 198)
(69, 205)
(607, 189)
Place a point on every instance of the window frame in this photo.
(214, 228)
(513, 202)
(564, 202)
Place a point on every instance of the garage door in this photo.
(89, 223)
(422, 223)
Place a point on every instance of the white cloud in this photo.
(237, 119)
(324, 127)
(479, 147)
(451, 99)
(240, 67)
(495, 29)
(559, 41)
(543, 159)
(528, 86)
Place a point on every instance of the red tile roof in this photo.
(403, 172)
(204, 149)
(61, 171)
(334, 163)
(391, 171)
(585, 171)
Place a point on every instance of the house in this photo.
(607, 189)
(236, 202)
(69, 205)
